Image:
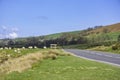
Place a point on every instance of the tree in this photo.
(119, 38)
(97, 27)
(89, 29)
(11, 43)
(32, 41)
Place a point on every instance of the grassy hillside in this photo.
(111, 30)
(58, 35)
(101, 38)
(108, 28)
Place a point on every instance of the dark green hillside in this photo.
(58, 35)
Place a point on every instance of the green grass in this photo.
(53, 36)
(58, 35)
(114, 35)
(67, 68)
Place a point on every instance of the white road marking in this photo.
(108, 55)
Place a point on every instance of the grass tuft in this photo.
(21, 63)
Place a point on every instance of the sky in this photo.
(23, 18)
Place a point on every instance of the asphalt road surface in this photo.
(105, 57)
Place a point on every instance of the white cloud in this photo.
(13, 35)
(6, 32)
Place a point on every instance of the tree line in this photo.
(64, 40)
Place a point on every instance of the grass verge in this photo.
(66, 68)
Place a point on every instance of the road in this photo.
(105, 57)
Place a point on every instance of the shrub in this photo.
(119, 38)
(53, 56)
(114, 47)
(50, 54)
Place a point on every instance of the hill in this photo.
(106, 29)
(113, 28)
(95, 36)
(98, 33)
(58, 35)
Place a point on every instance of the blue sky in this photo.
(23, 18)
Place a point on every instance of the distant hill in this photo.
(111, 29)
(108, 28)
(58, 35)
(114, 28)
(95, 36)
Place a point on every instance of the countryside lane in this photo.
(97, 56)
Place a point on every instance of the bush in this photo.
(114, 47)
(119, 38)
(54, 57)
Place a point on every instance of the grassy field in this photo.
(64, 67)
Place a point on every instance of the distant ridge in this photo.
(109, 28)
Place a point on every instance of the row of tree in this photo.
(65, 39)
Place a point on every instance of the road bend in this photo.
(105, 57)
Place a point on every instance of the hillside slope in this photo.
(114, 28)
(106, 29)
